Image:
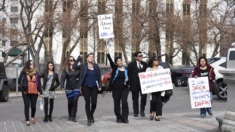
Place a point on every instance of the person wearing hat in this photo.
(119, 87)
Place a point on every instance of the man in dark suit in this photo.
(134, 68)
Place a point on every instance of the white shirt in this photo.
(158, 68)
(139, 63)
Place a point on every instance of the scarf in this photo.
(31, 72)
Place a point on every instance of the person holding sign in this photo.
(134, 68)
(90, 81)
(203, 69)
(119, 87)
(49, 80)
(72, 92)
(155, 98)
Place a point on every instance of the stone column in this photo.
(229, 117)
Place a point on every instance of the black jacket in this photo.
(55, 79)
(83, 69)
(72, 79)
(133, 72)
(23, 82)
(114, 69)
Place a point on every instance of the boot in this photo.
(49, 118)
(74, 119)
(92, 119)
(45, 119)
(88, 122)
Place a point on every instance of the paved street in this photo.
(177, 116)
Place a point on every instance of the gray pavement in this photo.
(177, 116)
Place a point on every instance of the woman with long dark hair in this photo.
(203, 69)
(72, 90)
(30, 84)
(119, 87)
(90, 81)
(155, 97)
(50, 77)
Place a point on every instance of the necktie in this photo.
(139, 66)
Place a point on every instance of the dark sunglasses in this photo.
(156, 60)
(140, 56)
(71, 60)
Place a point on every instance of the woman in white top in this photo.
(155, 98)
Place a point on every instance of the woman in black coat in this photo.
(90, 81)
(72, 91)
(119, 86)
(50, 77)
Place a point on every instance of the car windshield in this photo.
(105, 70)
(212, 60)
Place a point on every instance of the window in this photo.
(48, 5)
(223, 64)
(83, 32)
(105, 70)
(100, 58)
(135, 8)
(118, 54)
(203, 10)
(84, 54)
(13, 32)
(232, 55)
(13, 43)
(101, 7)
(169, 8)
(14, 9)
(186, 9)
(67, 5)
(3, 43)
(14, 20)
(84, 6)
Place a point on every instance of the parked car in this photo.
(186, 72)
(4, 85)
(175, 74)
(105, 76)
(218, 63)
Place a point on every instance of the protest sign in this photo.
(199, 92)
(105, 23)
(155, 81)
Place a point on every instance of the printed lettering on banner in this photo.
(105, 23)
(199, 92)
(155, 81)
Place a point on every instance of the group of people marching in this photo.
(85, 79)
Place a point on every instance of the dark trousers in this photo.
(135, 98)
(46, 100)
(72, 105)
(29, 100)
(90, 95)
(119, 95)
(156, 103)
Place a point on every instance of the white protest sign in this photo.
(199, 92)
(155, 81)
(105, 23)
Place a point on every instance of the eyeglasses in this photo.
(140, 56)
(156, 60)
(71, 60)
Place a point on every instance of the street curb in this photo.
(20, 95)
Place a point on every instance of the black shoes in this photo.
(142, 114)
(151, 117)
(49, 119)
(89, 122)
(157, 119)
(135, 115)
(119, 121)
(126, 121)
(92, 120)
(45, 119)
(73, 119)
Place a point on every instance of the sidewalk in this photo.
(13, 95)
(177, 122)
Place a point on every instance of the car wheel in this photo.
(4, 94)
(107, 85)
(222, 91)
(178, 82)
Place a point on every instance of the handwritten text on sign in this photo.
(199, 92)
(105, 26)
(155, 81)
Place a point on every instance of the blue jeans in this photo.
(203, 110)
